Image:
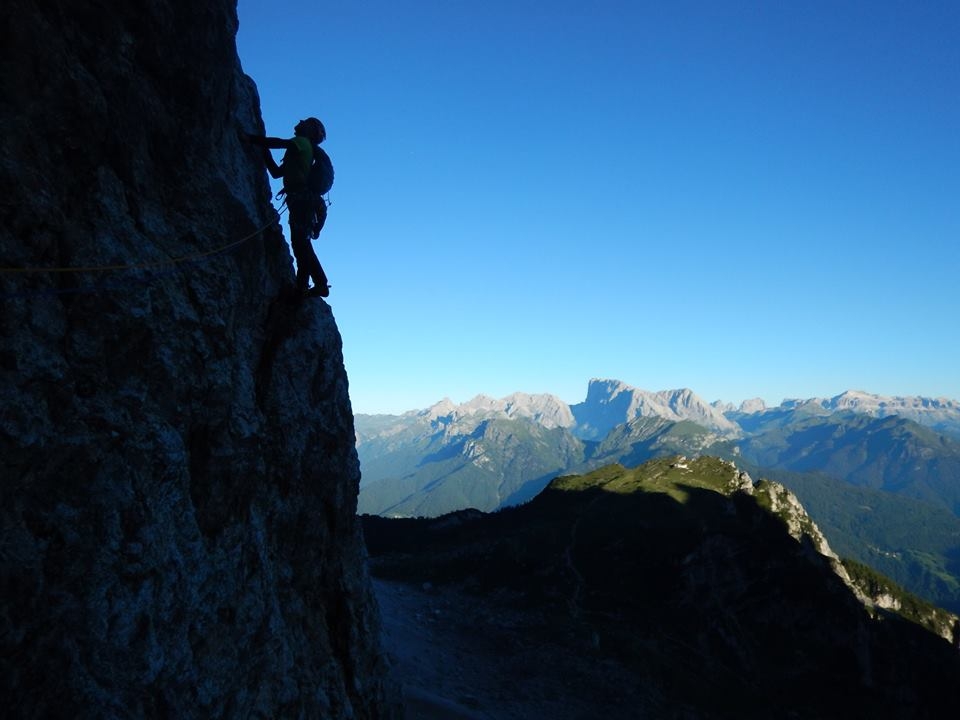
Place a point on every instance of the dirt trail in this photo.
(459, 657)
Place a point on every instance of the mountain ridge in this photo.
(614, 402)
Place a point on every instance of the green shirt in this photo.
(296, 164)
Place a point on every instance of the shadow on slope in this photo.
(915, 543)
(691, 586)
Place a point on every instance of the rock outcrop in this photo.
(610, 403)
(177, 506)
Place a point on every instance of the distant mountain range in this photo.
(938, 413)
(705, 593)
(610, 403)
(489, 453)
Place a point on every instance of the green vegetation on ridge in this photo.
(673, 476)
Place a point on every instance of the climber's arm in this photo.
(270, 143)
(273, 143)
(276, 172)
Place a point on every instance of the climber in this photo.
(306, 216)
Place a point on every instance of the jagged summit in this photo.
(547, 410)
(939, 413)
(443, 408)
(179, 474)
(610, 403)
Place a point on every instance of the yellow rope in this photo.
(146, 265)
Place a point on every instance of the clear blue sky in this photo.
(748, 199)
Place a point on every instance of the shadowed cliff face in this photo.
(179, 479)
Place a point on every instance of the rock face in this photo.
(179, 482)
(941, 414)
(610, 403)
(547, 410)
(755, 405)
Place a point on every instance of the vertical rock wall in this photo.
(178, 477)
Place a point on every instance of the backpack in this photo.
(319, 182)
(320, 179)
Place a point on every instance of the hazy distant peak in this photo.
(754, 405)
(925, 410)
(723, 407)
(480, 402)
(440, 409)
(548, 410)
(857, 399)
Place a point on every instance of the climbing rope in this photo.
(146, 265)
(169, 266)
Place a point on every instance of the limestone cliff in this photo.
(177, 505)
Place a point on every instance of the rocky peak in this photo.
(941, 414)
(546, 410)
(610, 403)
(443, 409)
(180, 480)
(754, 405)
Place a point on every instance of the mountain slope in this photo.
(888, 453)
(709, 591)
(639, 440)
(485, 466)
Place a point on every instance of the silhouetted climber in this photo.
(307, 175)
